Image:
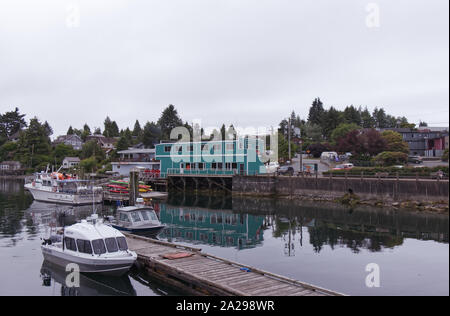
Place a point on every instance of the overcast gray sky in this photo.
(246, 62)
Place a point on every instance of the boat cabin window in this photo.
(99, 246)
(122, 242)
(135, 217)
(70, 243)
(111, 244)
(152, 215)
(84, 246)
(144, 215)
(124, 217)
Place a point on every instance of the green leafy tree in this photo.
(394, 142)
(7, 151)
(445, 155)
(313, 132)
(92, 149)
(61, 151)
(89, 164)
(389, 158)
(283, 148)
(342, 130)
(34, 147)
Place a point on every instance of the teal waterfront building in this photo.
(243, 156)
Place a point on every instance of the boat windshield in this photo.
(124, 217)
(111, 244)
(135, 216)
(145, 216)
(99, 246)
(122, 242)
(84, 246)
(152, 215)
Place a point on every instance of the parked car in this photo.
(345, 166)
(272, 167)
(415, 159)
(286, 170)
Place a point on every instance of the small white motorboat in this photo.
(92, 245)
(138, 219)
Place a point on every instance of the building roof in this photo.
(63, 138)
(10, 162)
(74, 159)
(137, 151)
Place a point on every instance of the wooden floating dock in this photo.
(198, 273)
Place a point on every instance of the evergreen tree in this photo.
(352, 115)
(380, 118)
(48, 129)
(11, 122)
(70, 131)
(169, 120)
(111, 128)
(123, 143)
(316, 112)
(137, 131)
(34, 145)
(331, 119)
(367, 121)
(151, 134)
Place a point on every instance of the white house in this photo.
(10, 166)
(135, 158)
(70, 162)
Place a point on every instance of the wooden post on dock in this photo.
(134, 186)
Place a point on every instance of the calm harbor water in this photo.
(326, 245)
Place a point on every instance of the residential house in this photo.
(135, 158)
(70, 162)
(105, 143)
(10, 167)
(73, 140)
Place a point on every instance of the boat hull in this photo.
(110, 266)
(64, 198)
(143, 230)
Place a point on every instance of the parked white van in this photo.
(329, 155)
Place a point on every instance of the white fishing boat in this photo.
(92, 245)
(60, 188)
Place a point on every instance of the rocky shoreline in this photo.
(352, 200)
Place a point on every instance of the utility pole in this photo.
(301, 150)
(289, 138)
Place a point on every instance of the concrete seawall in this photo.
(331, 188)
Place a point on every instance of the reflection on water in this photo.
(205, 220)
(90, 285)
(327, 245)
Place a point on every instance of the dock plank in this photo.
(214, 275)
